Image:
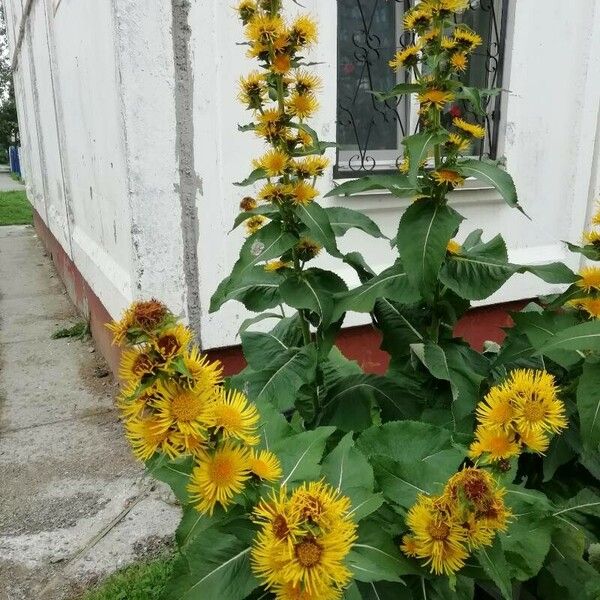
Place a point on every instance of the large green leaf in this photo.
(400, 327)
(424, 231)
(555, 272)
(479, 271)
(585, 336)
(256, 289)
(175, 473)
(314, 289)
(316, 219)
(255, 176)
(215, 565)
(342, 219)
(398, 184)
(489, 172)
(262, 349)
(418, 148)
(494, 564)
(569, 579)
(400, 89)
(588, 404)
(393, 283)
(589, 251)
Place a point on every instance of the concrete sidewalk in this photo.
(7, 183)
(74, 505)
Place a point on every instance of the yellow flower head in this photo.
(536, 402)
(246, 9)
(202, 374)
(311, 166)
(590, 279)
(253, 224)
(264, 29)
(419, 19)
(120, 328)
(218, 477)
(318, 503)
(234, 417)
(466, 39)
(277, 193)
(478, 533)
(495, 514)
(471, 485)
(448, 176)
(190, 444)
(292, 591)
(429, 36)
(253, 90)
(596, 218)
(281, 63)
(304, 193)
(592, 237)
(183, 409)
(457, 143)
(276, 517)
(248, 203)
(304, 31)
(133, 404)
(265, 465)
(409, 57)
(438, 537)
(307, 249)
(147, 436)
(302, 106)
(135, 364)
(448, 43)
(173, 341)
(590, 305)
(436, 98)
(477, 131)
(409, 546)
(535, 441)
(276, 265)
(274, 162)
(494, 444)
(307, 82)
(453, 247)
(271, 125)
(497, 411)
(459, 61)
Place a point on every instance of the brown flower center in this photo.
(280, 527)
(438, 530)
(149, 314)
(308, 552)
(168, 345)
(142, 364)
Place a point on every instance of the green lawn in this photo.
(145, 581)
(15, 209)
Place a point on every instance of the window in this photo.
(369, 133)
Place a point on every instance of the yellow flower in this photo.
(253, 224)
(234, 417)
(318, 503)
(291, 591)
(477, 131)
(453, 247)
(136, 363)
(274, 162)
(590, 279)
(448, 176)
(183, 409)
(281, 63)
(536, 402)
(448, 43)
(457, 143)
(430, 36)
(147, 436)
(436, 98)
(246, 10)
(248, 203)
(265, 465)
(276, 517)
(303, 193)
(173, 341)
(496, 411)
(596, 218)
(466, 39)
(495, 514)
(438, 537)
(302, 106)
(190, 444)
(478, 532)
(459, 61)
(409, 546)
(120, 328)
(304, 31)
(307, 82)
(218, 477)
(443, 7)
(264, 29)
(148, 314)
(253, 90)
(269, 556)
(592, 237)
(271, 125)
(134, 405)
(312, 166)
(535, 441)
(590, 305)
(409, 57)
(473, 485)
(276, 265)
(203, 375)
(275, 192)
(418, 18)
(307, 249)
(496, 444)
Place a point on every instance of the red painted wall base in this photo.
(357, 343)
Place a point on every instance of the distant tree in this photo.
(9, 126)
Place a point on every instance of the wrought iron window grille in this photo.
(369, 132)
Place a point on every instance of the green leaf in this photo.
(342, 219)
(380, 590)
(359, 264)
(267, 210)
(397, 184)
(424, 231)
(582, 510)
(279, 381)
(494, 564)
(175, 473)
(478, 272)
(261, 349)
(585, 336)
(316, 219)
(398, 90)
(314, 290)
(393, 283)
(255, 176)
(417, 150)
(556, 272)
(569, 579)
(256, 289)
(218, 566)
(588, 404)
(589, 250)
(300, 455)
(489, 172)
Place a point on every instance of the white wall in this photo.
(144, 116)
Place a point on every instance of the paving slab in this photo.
(74, 505)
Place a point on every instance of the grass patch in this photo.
(144, 581)
(79, 330)
(15, 209)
